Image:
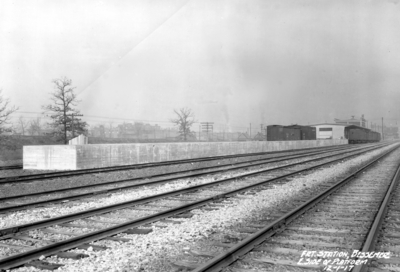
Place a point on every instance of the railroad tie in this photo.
(137, 231)
(183, 215)
(279, 250)
(92, 247)
(243, 270)
(70, 225)
(99, 221)
(219, 244)
(54, 231)
(117, 239)
(15, 246)
(43, 265)
(203, 253)
(186, 264)
(71, 255)
(27, 238)
(392, 260)
(286, 262)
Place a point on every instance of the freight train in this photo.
(290, 133)
(354, 134)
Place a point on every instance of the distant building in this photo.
(391, 133)
(329, 131)
(259, 137)
(243, 137)
(361, 122)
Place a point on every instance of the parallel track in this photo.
(349, 195)
(58, 174)
(161, 178)
(11, 167)
(130, 226)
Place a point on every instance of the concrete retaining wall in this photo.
(62, 157)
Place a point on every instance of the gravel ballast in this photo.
(41, 213)
(157, 250)
(98, 178)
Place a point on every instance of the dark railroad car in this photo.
(306, 132)
(356, 134)
(281, 133)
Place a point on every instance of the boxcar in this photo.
(356, 134)
(281, 133)
(306, 132)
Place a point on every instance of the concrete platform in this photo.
(64, 157)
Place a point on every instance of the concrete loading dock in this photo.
(63, 157)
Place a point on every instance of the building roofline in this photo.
(328, 124)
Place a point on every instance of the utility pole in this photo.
(207, 126)
(250, 130)
(383, 137)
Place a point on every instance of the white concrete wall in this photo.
(336, 133)
(81, 139)
(49, 157)
(102, 155)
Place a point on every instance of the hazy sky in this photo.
(232, 62)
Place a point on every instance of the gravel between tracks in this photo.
(91, 178)
(68, 182)
(41, 213)
(155, 251)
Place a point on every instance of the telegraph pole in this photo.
(207, 126)
(250, 130)
(383, 137)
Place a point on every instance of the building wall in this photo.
(52, 157)
(337, 132)
(102, 155)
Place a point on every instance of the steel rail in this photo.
(91, 194)
(82, 195)
(226, 258)
(11, 167)
(49, 175)
(370, 241)
(91, 212)
(275, 159)
(23, 258)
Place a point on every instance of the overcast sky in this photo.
(232, 62)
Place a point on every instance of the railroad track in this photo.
(58, 174)
(18, 202)
(23, 201)
(116, 168)
(11, 167)
(28, 242)
(384, 234)
(335, 230)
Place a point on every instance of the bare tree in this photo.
(35, 126)
(5, 111)
(22, 125)
(110, 130)
(138, 128)
(184, 120)
(64, 115)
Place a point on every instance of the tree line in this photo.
(65, 117)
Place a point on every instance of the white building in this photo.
(329, 131)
